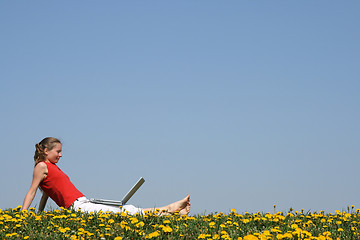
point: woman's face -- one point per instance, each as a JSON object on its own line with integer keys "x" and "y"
{"x": 54, "y": 154}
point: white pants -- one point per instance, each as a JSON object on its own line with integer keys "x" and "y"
{"x": 85, "y": 205}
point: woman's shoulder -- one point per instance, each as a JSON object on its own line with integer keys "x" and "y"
{"x": 41, "y": 166}
{"x": 40, "y": 171}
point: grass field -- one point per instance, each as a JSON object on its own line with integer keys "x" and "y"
{"x": 67, "y": 224}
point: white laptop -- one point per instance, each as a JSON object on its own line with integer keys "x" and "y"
{"x": 125, "y": 198}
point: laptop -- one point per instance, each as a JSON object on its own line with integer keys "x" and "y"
{"x": 125, "y": 198}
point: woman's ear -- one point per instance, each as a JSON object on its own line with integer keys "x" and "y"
{"x": 46, "y": 151}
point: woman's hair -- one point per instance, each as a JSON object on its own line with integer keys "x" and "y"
{"x": 48, "y": 143}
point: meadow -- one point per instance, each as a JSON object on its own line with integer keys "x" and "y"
{"x": 69, "y": 224}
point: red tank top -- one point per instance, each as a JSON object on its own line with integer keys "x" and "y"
{"x": 58, "y": 187}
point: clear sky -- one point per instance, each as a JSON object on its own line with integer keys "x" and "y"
{"x": 242, "y": 104}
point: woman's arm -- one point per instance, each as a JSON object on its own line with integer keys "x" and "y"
{"x": 40, "y": 172}
{"x": 43, "y": 201}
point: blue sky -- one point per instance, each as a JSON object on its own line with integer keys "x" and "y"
{"x": 242, "y": 104}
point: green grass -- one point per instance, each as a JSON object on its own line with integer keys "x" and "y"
{"x": 67, "y": 224}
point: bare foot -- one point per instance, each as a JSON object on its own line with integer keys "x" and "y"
{"x": 183, "y": 206}
{"x": 185, "y": 210}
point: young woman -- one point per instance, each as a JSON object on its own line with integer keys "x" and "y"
{"x": 56, "y": 184}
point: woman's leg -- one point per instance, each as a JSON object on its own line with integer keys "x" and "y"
{"x": 86, "y": 206}
{"x": 183, "y": 206}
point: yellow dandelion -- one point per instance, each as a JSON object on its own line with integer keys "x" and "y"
{"x": 202, "y": 236}
{"x": 216, "y": 236}
{"x": 153, "y": 234}
{"x": 62, "y": 230}
{"x": 140, "y": 224}
{"x": 250, "y": 237}
{"x": 134, "y": 220}
{"x": 167, "y": 229}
